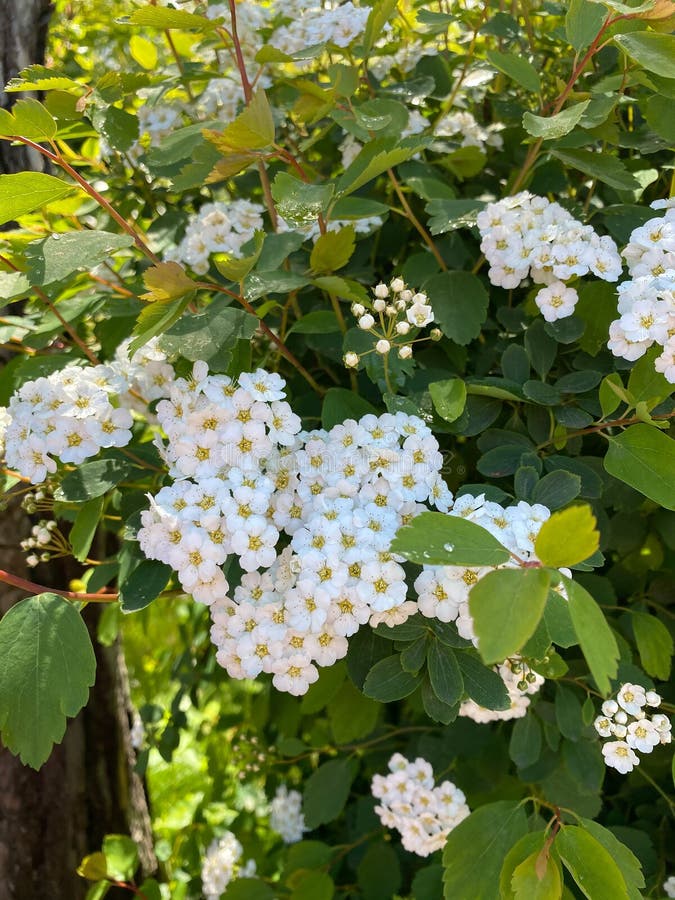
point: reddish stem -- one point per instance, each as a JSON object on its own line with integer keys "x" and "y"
{"x": 32, "y": 588}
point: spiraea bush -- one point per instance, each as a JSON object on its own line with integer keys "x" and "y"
{"x": 341, "y": 345}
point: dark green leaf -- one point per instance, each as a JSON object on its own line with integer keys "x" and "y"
{"x": 387, "y": 681}
{"x": 93, "y": 479}
{"x": 444, "y": 673}
{"x": 326, "y": 792}
{"x": 145, "y": 583}
{"x": 460, "y": 304}
{"x": 482, "y": 684}
{"x": 595, "y": 636}
{"x": 644, "y": 458}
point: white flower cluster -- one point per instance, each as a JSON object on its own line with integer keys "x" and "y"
{"x": 339, "y": 24}
{"x": 520, "y": 683}
{"x": 462, "y": 126}
{"x": 286, "y": 817}
{"x": 422, "y": 812}
{"x": 221, "y": 866}
{"x": 67, "y": 416}
{"x": 393, "y": 318}
{"x": 217, "y": 228}
{"x": 646, "y": 303}
{"x": 625, "y": 718}
{"x": 525, "y": 235}
{"x": 72, "y": 414}
{"x": 406, "y": 57}
{"x": 669, "y": 886}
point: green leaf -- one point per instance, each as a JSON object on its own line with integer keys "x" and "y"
{"x": 307, "y": 855}
{"x": 321, "y": 693}
{"x": 60, "y": 255}
{"x": 552, "y": 127}
{"x": 506, "y": 606}
{"x": 29, "y": 119}
{"x": 248, "y": 889}
{"x": 340, "y": 404}
{"x": 644, "y": 458}
{"x": 658, "y": 115}
{"x": 93, "y": 479}
{"x": 351, "y": 715}
{"x": 537, "y": 878}
{"x": 624, "y": 858}
{"x": 568, "y": 713}
{"x": 611, "y": 393}
{"x": 605, "y": 168}
{"x": 557, "y": 489}
{"x": 654, "y": 52}
{"x": 645, "y": 384}
{"x": 143, "y": 51}
{"x": 155, "y": 319}
{"x": 444, "y": 673}
{"x": 589, "y": 863}
{"x": 320, "y": 321}
{"x": 253, "y": 129}
{"x": 333, "y": 250}
{"x": 482, "y": 684}
{"x": 436, "y": 539}
{"x": 27, "y": 191}
{"x": 379, "y": 872}
{"x": 47, "y": 666}
{"x": 214, "y": 331}
{"x": 516, "y": 67}
{"x": 313, "y": 886}
{"x": 300, "y": 203}
{"x": 460, "y": 303}
{"x": 449, "y": 398}
{"x": 93, "y": 867}
{"x": 387, "y": 681}
{"x": 380, "y": 14}
{"x": 412, "y": 658}
{"x": 84, "y": 527}
{"x": 582, "y": 22}
{"x": 449, "y": 215}
{"x": 326, "y": 792}
{"x": 525, "y": 744}
{"x": 121, "y": 855}
{"x": 428, "y": 883}
{"x": 435, "y": 708}
{"x": 40, "y": 78}
{"x": 595, "y": 636}
{"x": 654, "y": 643}
{"x": 237, "y": 269}
{"x": 163, "y": 17}
{"x": 143, "y": 585}
{"x": 558, "y": 621}
{"x": 474, "y": 852}
{"x": 568, "y": 537}
{"x": 375, "y": 158}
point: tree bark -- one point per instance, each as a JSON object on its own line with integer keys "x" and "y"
{"x": 49, "y": 820}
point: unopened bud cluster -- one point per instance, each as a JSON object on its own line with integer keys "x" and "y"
{"x": 422, "y": 812}
{"x": 626, "y": 719}
{"x": 41, "y": 538}
{"x": 393, "y": 318}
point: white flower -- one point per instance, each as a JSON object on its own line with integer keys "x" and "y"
{"x": 669, "y": 886}
{"x": 631, "y": 698}
{"x": 643, "y": 736}
{"x": 556, "y": 301}
{"x": 618, "y": 755}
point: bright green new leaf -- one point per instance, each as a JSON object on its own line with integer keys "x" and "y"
{"x": 595, "y": 636}
{"x": 326, "y": 792}
{"x": 121, "y": 855}
{"x": 460, "y": 303}
{"x": 166, "y": 281}
{"x": 474, "y": 852}
{"x": 449, "y": 398}
{"x": 143, "y": 51}
{"x": 516, "y": 67}
{"x": 47, "y": 666}
{"x": 654, "y": 643}
{"x": 237, "y": 269}
{"x": 537, "y": 878}
{"x": 436, "y": 539}
{"x": 157, "y": 318}
{"x": 56, "y": 257}
{"x": 602, "y": 166}
{"x": 84, "y": 527}
{"x": 333, "y": 250}
{"x": 40, "y": 78}
{"x": 253, "y": 129}
{"x": 594, "y": 870}
{"x": 625, "y": 859}
{"x": 568, "y": 537}
{"x": 506, "y": 606}
{"x": 654, "y": 52}
{"x": 163, "y": 17}
{"x": 29, "y": 119}
{"x": 380, "y": 14}
{"x": 644, "y": 458}
{"x": 300, "y": 203}
{"x": 343, "y": 287}
{"x": 552, "y": 127}
{"x": 25, "y": 192}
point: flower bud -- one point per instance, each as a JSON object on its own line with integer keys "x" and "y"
{"x": 403, "y": 328}
{"x": 381, "y": 290}
{"x": 397, "y": 285}
{"x": 366, "y": 322}
{"x": 351, "y": 360}
{"x": 405, "y": 352}
{"x": 358, "y": 309}
{"x": 379, "y": 305}
{"x": 435, "y": 334}
{"x": 383, "y": 346}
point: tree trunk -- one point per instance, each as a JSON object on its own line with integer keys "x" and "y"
{"x": 52, "y": 818}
